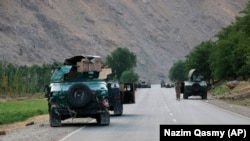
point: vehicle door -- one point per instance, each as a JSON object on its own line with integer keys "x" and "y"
{"x": 128, "y": 93}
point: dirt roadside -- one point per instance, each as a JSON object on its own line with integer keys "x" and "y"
{"x": 40, "y": 129}
{"x": 242, "y": 110}
{"x": 235, "y": 99}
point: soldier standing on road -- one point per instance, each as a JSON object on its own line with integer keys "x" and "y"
{"x": 178, "y": 89}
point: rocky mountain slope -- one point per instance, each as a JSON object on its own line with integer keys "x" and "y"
{"x": 159, "y": 32}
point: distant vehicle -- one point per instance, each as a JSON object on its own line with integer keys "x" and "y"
{"x": 144, "y": 84}
{"x": 163, "y": 84}
{"x": 195, "y": 85}
{"x": 166, "y": 85}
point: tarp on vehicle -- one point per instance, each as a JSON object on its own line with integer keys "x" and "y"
{"x": 59, "y": 73}
{"x": 194, "y": 75}
{"x": 82, "y": 58}
{"x": 85, "y": 63}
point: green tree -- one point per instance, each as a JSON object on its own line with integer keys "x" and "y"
{"x": 248, "y": 62}
{"x": 178, "y": 71}
{"x": 241, "y": 31}
{"x": 129, "y": 76}
{"x": 23, "y": 79}
{"x": 245, "y": 20}
{"x": 120, "y": 60}
{"x": 239, "y": 55}
{"x": 229, "y": 57}
{"x": 1, "y": 76}
{"x": 4, "y": 84}
{"x": 198, "y": 59}
{"x": 220, "y": 60}
{"x": 15, "y": 82}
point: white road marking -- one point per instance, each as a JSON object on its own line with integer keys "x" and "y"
{"x": 75, "y": 131}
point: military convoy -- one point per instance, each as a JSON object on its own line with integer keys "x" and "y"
{"x": 194, "y": 86}
{"x": 79, "y": 88}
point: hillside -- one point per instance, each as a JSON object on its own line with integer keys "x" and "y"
{"x": 159, "y": 32}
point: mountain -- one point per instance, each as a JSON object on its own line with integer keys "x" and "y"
{"x": 159, "y": 32}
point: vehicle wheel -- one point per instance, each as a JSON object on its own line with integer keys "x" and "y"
{"x": 54, "y": 118}
{"x": 204, "y": 95}
{"x": 196, "y": 87}
{"x": 185, "y": 95}
{"x": 118, "y": 110}
{"x": 103, "y": 118}
{"x": 79, "y": 95}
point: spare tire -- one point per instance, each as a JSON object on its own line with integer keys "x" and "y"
{"x": 196, "y": 87}
{"x": 79, "y": 95}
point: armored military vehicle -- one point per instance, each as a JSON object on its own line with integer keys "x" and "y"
{"x": 77, "y": 89}
{"x": 195, "y": 86}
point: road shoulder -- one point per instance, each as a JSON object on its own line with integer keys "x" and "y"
{"x": 242, "y": 110}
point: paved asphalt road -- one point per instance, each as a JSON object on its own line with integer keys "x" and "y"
{"x": 155, "y": 106}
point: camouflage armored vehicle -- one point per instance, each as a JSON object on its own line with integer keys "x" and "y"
{"x": 78, "y": 89}
{"x": 195, "y": 86}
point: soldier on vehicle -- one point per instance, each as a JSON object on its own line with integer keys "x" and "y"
{"x": 178, "y": 89}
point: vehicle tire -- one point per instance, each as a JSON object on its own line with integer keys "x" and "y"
{"x": 103, "y": 118}
{"x": 118, "y": 110}
{"x": 204, "y": 95}
{"x": 185, "y": 96}
{"x": 196, "y": 87}
{"x": 79, "y": 95}
{"x": 54, "y": 118}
